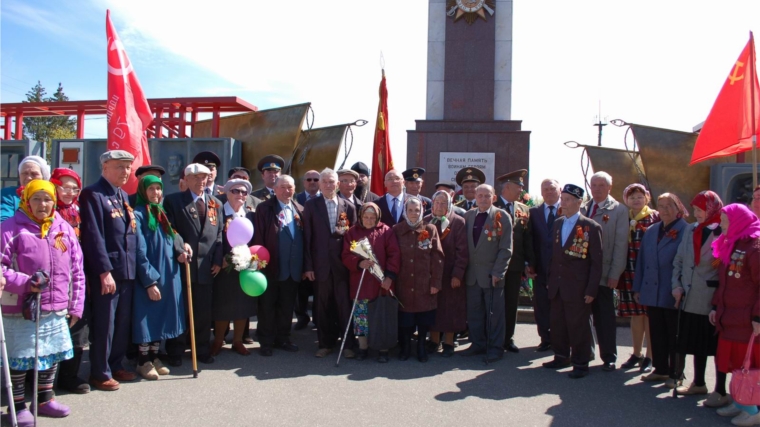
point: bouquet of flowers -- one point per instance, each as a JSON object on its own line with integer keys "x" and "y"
{"x": 363, "y": 249}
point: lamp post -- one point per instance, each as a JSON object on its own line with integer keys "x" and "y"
{"x": 600, "y": 123}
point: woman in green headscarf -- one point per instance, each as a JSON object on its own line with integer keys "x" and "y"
{"x": 158, "y": 312}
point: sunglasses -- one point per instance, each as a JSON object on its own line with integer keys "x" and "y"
{"x": 238, "y": 192}
{"x": 312, "y": 179}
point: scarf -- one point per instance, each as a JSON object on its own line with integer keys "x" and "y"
{"x": 742, "y": 224}
{"x": 30, "y": 190}
{"x": 156, "y": 212}
{"x": 444, "y": 220}
{"x": 371, "y": 207}
{"x": 636, "y": 218}
{"x": 412, "y": 199}
{"x": 69, "y": 212}
{"x": 709, "y": 202}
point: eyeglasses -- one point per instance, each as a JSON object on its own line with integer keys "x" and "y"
{"x": 238, "y": 192}
{"x": 66, "y": 190}
{"x": 312, "y": 179}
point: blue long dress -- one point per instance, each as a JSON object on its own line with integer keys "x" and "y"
{"x": 157, "y": 263}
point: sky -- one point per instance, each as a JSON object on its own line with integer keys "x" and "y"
{"x": 657, "y": 63}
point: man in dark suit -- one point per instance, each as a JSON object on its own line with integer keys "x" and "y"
{"x": 413, "y": 184}
{"x": 450, "y": 188}
{"x": 154, "y": 170}
{"x": 489, "y": 240}
{"x": 523, "y": 259}
{"x": 574, "y": 274}
{"x": 279, "y": 228}
{"x": 347, "y": 182}
{"x": 392, "y": 203}
{"x": 469, "y": 179}
{"x": 210, "y": 160}
{"x": 109, "y": 247}
{"x": 197, "y": 217}
{"x": 542, "y": 222}
{"x": 326, "y": 219}
{"x": 270, "y": 167}
{"x": 306, "y": 287}
{"x": 362, "y": 185}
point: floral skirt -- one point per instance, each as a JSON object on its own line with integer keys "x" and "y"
{"x": 54, "y": 342}
{"x": 361, "y": 324}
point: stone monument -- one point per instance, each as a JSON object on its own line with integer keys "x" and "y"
{"x": 469, "y": 90}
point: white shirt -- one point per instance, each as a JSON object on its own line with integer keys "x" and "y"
{"x": 286, "y": 216}
{"x": 399, "y": 204}
{"x": 568, "y": 225}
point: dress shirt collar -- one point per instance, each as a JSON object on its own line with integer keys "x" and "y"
{"x": 229, "y": 212}
{"x": 197, "y": 196}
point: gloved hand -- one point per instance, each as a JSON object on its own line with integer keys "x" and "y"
{"x": 40, "y": 279}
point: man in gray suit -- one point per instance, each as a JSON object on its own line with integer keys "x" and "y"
{"x": 613, "y": 217}
{"x": 489, "y": 239}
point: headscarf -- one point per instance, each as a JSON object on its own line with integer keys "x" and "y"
{"x": 369, "y": 206}
{"x": 412, "y": 199}
{"x": 742, "y": 224}
{"x": 33, "y": 187}
{"x": 709, "y": 202}
{"x": 69, "y": 212}
{"x": 156, "y": 212}
{"x": 682, "y": 211}
{"x": 444, "y": 220}
{"x": 44, "y": 167}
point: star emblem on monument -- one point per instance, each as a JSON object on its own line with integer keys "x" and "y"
{"x": 470, "y": 9}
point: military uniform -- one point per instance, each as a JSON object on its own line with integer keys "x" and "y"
{"x": 270, "y": 162}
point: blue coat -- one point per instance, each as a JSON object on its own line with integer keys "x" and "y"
{"x": 8, "y": 202}
{"x": 654, "y": 266}
{"x": 157, "y": 263}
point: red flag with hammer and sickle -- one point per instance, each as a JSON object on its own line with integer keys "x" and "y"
{"x": 734, "y": 117}
{"x": 127, "y": 111}
{"x": 382, "y": 161}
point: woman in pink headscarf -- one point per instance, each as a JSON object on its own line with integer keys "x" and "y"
{"x": 736, "y": 302}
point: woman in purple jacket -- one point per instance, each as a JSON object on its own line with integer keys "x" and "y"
{"x": 40, "y": 254}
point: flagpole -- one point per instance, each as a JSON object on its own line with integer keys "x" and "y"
{"x": 753, "y": 76}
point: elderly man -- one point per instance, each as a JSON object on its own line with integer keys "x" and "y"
{"x": 469, "y": 179}
{"x": 198, "y": 218}
{"x": 210, "y": 160}
{"x": 450, "y": 188}
{"x": 310, "y": 187}
{"x": 542, "y": 222}
{"x": 574, "y": 272}
{"x": 326, "y": 220}
{"x": 613, "y": 217}
{"x": 362, "y": 186}
{"x": 489, "y": 242}
{"x": 413, "y": 184}
{"x": 347, "y": 181}
{"x": 30, "y": 168}
{"x": 392, "y": 204}
{"x": 279, "y": 228}
{"x": 523, "y": 259}
{"x": 109, "y": 247}
{"x": 270, "y": 167}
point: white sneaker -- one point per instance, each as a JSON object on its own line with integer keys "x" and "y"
{"x": 728, "y": 411}
{"x": 745, "y": 419}
{"x": 715, "y": 400}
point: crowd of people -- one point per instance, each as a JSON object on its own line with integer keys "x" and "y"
{"x": 106, "y": 269}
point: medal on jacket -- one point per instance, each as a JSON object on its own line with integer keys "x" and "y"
{"x": 737, "y": 261}
{"x": 131, "y": 214}
{"x": 212, "y": 211}
{"x": 423, "y": 240}
{"x": 579, "y": 248}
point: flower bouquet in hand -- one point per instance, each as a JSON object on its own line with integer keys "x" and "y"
{"x": 363, "y": 249}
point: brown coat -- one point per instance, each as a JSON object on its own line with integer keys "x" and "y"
{"x": 421, "y": 269}
{"x": 737, "y": 301}
{"x": 451, "y": 315}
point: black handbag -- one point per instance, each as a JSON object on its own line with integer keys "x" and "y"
{"x": 382, "y": 320}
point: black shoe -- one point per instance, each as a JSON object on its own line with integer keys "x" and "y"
{"x": 448, "y": 351}
{"x": 632, "y": 362}
{"x": 302, "y": 324}
{"x": 382, "y": 357}
{"x": 433, "y": 347}
{"x": 422, "y": 351}
{"x": 544, "y": 346}
{"x": 405, "y": 352}
{"x": 288, "y": 346}
{"x": 646, "y": 365}
{"x": 577, "y": 373}
{"x": 265, "y": 351}
{"x": 608, "y": 367}
{"x": 174, "y": 361}
{"x": 493, "y": 358}
{"x": 511, "y": 347}
{"x": 472, "y": 351}
{"x": 207, "y": 359}
{"x": 74, "y": 385}
{"x": 557, "y": 364}
{"x": 67, "y": 374}
{"x": 362, "y": 354}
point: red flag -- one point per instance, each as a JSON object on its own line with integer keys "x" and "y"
{"x": 732, "y": 121}
{"x": 382, "y": 161}
{"x": 128, "y": 111}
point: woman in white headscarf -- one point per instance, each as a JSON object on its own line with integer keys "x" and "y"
{"x": 30, "y": 168}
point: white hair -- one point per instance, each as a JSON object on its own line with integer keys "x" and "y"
{"x": 287, "y": 178}
{"x": 328, "y": 172}
{"x": 485, "y": 187}
{"x": 552, "y": 180}
{"x": 603, "y": 175}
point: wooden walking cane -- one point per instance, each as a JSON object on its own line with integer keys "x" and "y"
{"x": 192, "y": 323}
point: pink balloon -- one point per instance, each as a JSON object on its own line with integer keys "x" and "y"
{"x": 261, "y": 251}
{"x": 239, "y": 232}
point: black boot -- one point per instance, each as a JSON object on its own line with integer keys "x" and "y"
{"x": 362, "y": 354}
{"x": 68, "y": 378}
{"x": 422, "y": 354}
{"x": 406, "y": 344}
{"x": 448, "y": 350}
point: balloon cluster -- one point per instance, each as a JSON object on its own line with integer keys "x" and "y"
{"x": 247, "y": 260}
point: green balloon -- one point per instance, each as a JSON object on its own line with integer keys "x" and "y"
{"x": 253, "y": 283}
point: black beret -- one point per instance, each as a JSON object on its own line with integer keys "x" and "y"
{"x": 238, "y": 169}
{"x": 206, "y": 158}
{"x": 447, "y": 184}
{"x": 573, "y": 190}
{"x": 145, "y": 168}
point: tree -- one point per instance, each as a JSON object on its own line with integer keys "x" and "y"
{"x": 46, "y": 129}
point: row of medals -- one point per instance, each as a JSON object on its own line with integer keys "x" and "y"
{"x": 737, "y": 260}
{"x": 579, "y": 247}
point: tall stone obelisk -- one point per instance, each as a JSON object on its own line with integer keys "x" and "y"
{"x": 469, "y": 93}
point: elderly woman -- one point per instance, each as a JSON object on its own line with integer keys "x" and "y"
{"x": 158, "y": 310}
{"x": 694, "y": 279}
{"x": 755, "y": 202}
{"x": 41, "y": 257}
{"x": 419, "y": 278}
{"x": 385, "y": 246}
{"x": 736, "y": 302}
{"x": 230, "y": 302}
{"x": 652, "y": 284}
{"x": 31, "y": 167}
{"x": 451, "y": 314}
{"x": 67, "y": 186}
{"x": 641, "y": 216}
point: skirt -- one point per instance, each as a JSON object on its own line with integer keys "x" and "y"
{"x": 696, "y": 335}
{"x": 54, "y": 342}
{"x": 627, "y": 306}
{"x": 410, "y": 320}
{"x": 361, "y": 324}
{"x": 730, "y": 355}
{"x": 229, "y": 300}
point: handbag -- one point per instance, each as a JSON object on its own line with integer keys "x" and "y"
{"x": 382, "y": 319}
{"x": 745, "y": 382}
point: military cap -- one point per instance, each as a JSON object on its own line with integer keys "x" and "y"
{"x": 361, "y": 168}
{"x": 470, "y": 174}
{"x": 348, "y": 172}
{"x": 196, "y": 169}
{"x": 447, "y": 184}
{"x": 413, "y": 174}
{"x": 116, "y": 155}
{"x": 147, "y": 168}
{"x": 206, "y": 158}
{"x": 271, "y": 161}
{"x": 516, "y": 177}
{"x": 238, "y": 169}
{"x": 573, "y": 190}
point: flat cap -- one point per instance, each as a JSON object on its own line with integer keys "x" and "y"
{"x": 271, "y": 161}
{"x": 147, "y": 168}
{"x": 360, "y": 167}
{"x": 238, "y": 169}
{"x": 196, "y": 169}
{"x": 573, "y": 190}
{"x": 516, "y": 177}
{"x": 447, "y": 184}
{"x": 348, "y": 172}
{"x": 116, "y": 155}
{"x": 470, "y": 174}
{"x": 207, "y": 158}
{"x": 413, "y": 174}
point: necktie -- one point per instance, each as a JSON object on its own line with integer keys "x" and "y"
{"x": 509, "y": 209}
{"x": 550, "y": 219}
{"x": 207, "y": 191}
{"x": 469, "y": 205}
{"x": 593, "y": 211}
{"x": 200, "y": 204}
{"x": 394, "y": 211}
